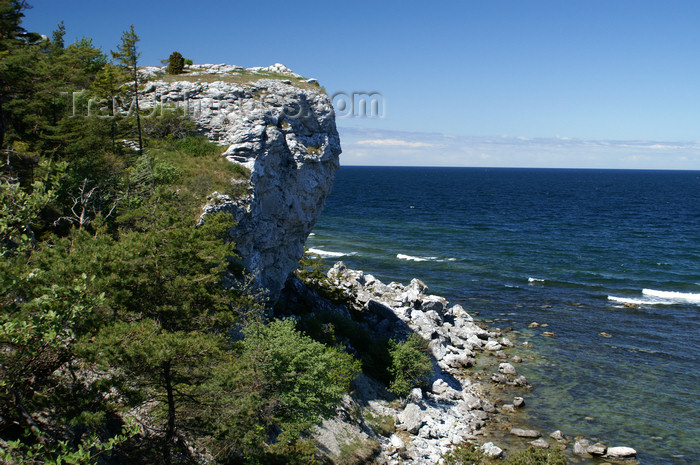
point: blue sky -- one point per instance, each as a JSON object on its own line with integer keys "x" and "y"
{"x": 557, "y": 83}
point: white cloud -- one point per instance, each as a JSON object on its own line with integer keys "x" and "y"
{"x": 402, "y": 148}
{"x": 394, "y": 143}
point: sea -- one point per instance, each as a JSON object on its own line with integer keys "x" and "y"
{"x": 607, "y": 260}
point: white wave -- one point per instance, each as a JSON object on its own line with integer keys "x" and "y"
{"x": 673, "y": 297}
{"x": 627, "y": 300}
{"x": 655, "y": 297}
{"x": 414, "y": 259}
{"x": 312, "y": 234}
{"x": 328, "y": 254}
{"x": 451, "y": 259}
{"x": 535, "y": 280}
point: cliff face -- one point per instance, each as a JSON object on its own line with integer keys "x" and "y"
{"x": 281, "y": 127}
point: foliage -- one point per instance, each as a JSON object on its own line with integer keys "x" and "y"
{"x": 19, "y": 212}
{"x": 176, "y": 63}
{"x": 310, "y": 271}
{"x": 382, "y": 425}
{"x": 532, "y": 456}
{"x": 168, "y": 122}
{"x": 331, "y": 328}
{"x": 127, "y": 54}
{"x": 357, "y": 451}
{"x": 465, "y": 454}
{"x": 111, "y": 282}
{"x": 469, "y": 454}
{"x": 284, "y": 383}
{"x": 87, "y": 452}
{"x": 410, "y": 364}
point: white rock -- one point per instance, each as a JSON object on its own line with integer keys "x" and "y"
{"x": 507, "y": 369}
{"x": 411, "y": 418}
{"x": 620, "y": 452}
{"x": 558, "y": 436}
{"x": 440, "y": 386}
{"x": 491, "y": 450}
{"x": 506, "y": 342}
{"x": 525, "y": 433}
{"x": 289, "y": 181}
{"x": 492, "y": 346}
{"x": 539, "y": 444}
{"x": 397, "y": 442}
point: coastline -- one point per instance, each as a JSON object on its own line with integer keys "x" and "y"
{"x": 475, "y": 394}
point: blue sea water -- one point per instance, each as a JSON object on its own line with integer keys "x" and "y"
{"x": 566, "y": 248}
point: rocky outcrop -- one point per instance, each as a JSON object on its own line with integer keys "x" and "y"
{"x": 284, "y": 131}
{"x": 453, "y": 407}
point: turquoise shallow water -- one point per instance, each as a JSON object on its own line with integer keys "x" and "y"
{"x": 583, "y": 251}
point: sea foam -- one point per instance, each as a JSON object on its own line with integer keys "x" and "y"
{"x": 655, "y": 297}
{"x": 328, "y": 254}
{"x": 673, "y": 297}
{"x": 414, "y": 259}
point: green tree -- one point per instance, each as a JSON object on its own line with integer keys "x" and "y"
{"x": 128, "y": 55}
{"x": 58, "y": 37}
{"x": 411, "y": 365}
{"x": 176, "y": 63}
{"x": 173, "y": 364}
{"x": 281, "y": 385}
{"x": 19, "y": 213}
{"x": 108, "y": 87}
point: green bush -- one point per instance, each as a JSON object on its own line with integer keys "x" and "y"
{"x": 534, "y": 456}
{"x": 167, "y": 122}
{"x": 382, "y": 425}
{"x": 176, "y": 63}
{"x": 411, "y": 365}
{"x": 357, "y": 452}
{"x": 464, "y": 454}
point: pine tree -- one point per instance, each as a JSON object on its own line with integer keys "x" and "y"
{"x": 176, "y": 63}
{"x": 127, "y": 55}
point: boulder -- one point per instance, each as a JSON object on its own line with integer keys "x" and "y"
{"x": 491, "y": 450}
{"x": 434, "y": 303}
{"x": 458, "y": 360}
{"x": 581, "y": 447}
{"x": 440, "y": 386}
{"x": 518, "y": 402}
{"x": 525, "y": 433}
{"x": 597, "y": 449}
{"x": 620, "y": 453}
{"x": 507, "y": 369}
{"x": 396, "y": 442}
{"x": 558, "y": 436}
{"x": 539, "y": 444}
{"x": 492, "y": 346}
{"x": 411, "y": 418}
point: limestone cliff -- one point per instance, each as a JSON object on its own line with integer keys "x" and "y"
{"x": 282, "y": 127}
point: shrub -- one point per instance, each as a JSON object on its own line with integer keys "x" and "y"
{"x": 168, "y": 122}
{"x": 176, "y": 63}
{"x": 382, "y": 425}
{"x": 534, "y": 456}
{"x": 357, "y": 452}
{"x": 196, "y": 145}
{"x": 410, "y": 364}
{"x": 464, "y": 454}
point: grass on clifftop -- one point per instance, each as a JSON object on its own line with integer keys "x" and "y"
{"x": 242, "y": 77}
{"x": 198, "y": 169}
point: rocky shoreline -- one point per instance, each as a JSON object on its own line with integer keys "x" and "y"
{"x": 458, "y": 406}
